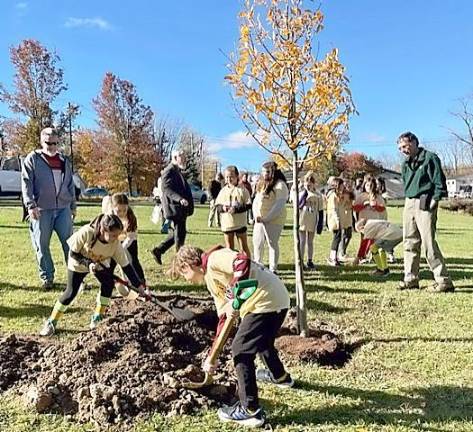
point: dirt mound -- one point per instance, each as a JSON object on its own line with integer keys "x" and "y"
{"x": 17, "y": 356}
{"x": 134, "y": 364}
{"x": 322, "y": 346}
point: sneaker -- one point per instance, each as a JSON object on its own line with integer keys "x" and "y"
{"x": 381, "y": 273}
{"x": 157, "y": 255}
{"x": 264, "y": 375}
{"x": 238, "y": 414}
{"x": 403, "y": 285}
{"x": 48, "y": 329}
{"x": 95, "y": 321}
{"x": 441, "y": 287}
{"x": 310, "y": 265}
{"x": 333, "y": 262}
{"x": 47, "y": 285}
{"x": 343, "y": 258}
{"x": 391, "y": 258}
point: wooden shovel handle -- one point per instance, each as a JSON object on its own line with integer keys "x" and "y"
{"x": 221, "y": 340}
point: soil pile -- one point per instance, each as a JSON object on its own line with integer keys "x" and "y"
{"x": 321, "y": 345}
{"x": 135, "y": 362}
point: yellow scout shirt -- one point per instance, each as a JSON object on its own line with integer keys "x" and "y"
{"x": 270, "y": 296}
{"x": 80, "y": 242}
{"x": 232, "y": 196}
{"x": 264, "y": 203}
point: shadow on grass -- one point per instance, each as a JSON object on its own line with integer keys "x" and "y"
{"x": 30, "y": 310}
{"x": 425, "y": 404}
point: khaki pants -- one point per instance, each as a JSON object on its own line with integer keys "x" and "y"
{"x": 419, "y": 227}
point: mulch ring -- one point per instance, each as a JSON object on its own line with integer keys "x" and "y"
{"x": 134, "y": 363}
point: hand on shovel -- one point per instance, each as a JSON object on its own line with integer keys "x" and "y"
{"x": 209, "y": 367}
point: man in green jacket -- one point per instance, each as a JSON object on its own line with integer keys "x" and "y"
{"x": 424, "y": 186}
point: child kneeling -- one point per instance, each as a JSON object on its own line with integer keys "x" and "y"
{"x": 261, "y": 318}
{"x": 385, "y": 236}
{"x": 90, "y": 249}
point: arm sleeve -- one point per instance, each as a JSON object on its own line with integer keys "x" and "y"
{"x": 320, "y": 222}
{"x": 303, "y": 199}
{"x": 81, "y": 259}
{"x": 438, "y": 179}
{"x": 130, "y": 238}
{"x": 27, "y": 181}
{"x": 167, "y": 184}
{"x": 132, "y": 275}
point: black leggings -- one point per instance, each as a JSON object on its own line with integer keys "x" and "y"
{"x": 74, "y": 279}
{"x": 256, "y": 335}
{"x": 135, "y": 262}
{"x": 337, "y": 238}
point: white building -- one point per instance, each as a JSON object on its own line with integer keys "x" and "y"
{"x": 460, "y": 186}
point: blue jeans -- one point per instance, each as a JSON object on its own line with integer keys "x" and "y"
{"x": 41, "y": 230}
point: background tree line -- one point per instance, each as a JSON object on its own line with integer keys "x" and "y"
{"x": 127, "y": 149}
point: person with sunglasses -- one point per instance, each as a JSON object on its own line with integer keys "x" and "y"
{"x": 49, "y": 195}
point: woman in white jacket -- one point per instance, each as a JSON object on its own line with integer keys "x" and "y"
{"x": 269, "y": 210}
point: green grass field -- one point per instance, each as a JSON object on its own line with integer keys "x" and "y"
{"x": 412, "y": 371}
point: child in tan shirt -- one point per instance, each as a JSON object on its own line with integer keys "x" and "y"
{"x": 233, "y": 201}
{"x": 261, "y": 317}
{"x": 91, "y": 250}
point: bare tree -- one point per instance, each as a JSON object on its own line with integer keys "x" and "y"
{"x": 465, "y": 115}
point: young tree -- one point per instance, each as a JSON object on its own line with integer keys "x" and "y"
{"x": 126, "y": 125}
{"x": 37, "y": 82}
{"x": 295, "y": 105}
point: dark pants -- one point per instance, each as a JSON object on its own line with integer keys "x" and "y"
{"x": 74, "y": 279}
{"x": 346, "y": 237}
{"x": 336, "y": 239}
{"x": 256, "y": 335}
{"x": 135, "y": 262}
{"x": 176, "y": 236}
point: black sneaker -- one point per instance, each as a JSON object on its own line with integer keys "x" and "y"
{"x": 157, "y": 255}
{"x": 403, "y": 285}
{"x": 380, "y": 273}
{"x": 47, "y": 285}
{"x": 238, "y": 414}
{"x": 441, "y": 288}
{"x": 310, "y": 265}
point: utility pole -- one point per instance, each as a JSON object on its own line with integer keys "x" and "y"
{"x": 201, "y": 149}
{"x": 72, "y": 111}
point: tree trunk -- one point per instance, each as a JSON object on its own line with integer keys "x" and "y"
{"x": 300, "y": 290}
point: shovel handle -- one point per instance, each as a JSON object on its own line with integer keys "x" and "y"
{"x": 221, "y": 340}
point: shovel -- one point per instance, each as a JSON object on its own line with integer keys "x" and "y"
{"x": 178, "y": 313}
{"x": 241, "y": 292}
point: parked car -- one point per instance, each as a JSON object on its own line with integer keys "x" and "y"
{"x": 10, "y": 176}
{"x": 94, "y": 192}
{"x": 198, "y": 194}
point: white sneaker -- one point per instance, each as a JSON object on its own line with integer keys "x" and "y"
{"x": 264, "y": 375}
{"x": 48, "y": 329}
{"x": 95, "y": 321}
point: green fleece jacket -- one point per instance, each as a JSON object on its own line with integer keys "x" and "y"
{"x": 423, "y": 174}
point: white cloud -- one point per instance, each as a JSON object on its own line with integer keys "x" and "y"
{"x": 22, "y": 5}
{"x": 97, "y": 22}
{"x": 375, "y": 138}
{"x": 234, "y": 140}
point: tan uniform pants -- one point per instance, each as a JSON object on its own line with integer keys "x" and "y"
{"x": 419, "y": 227}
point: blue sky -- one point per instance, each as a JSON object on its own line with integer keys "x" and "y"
{"x": 408, "y": 61}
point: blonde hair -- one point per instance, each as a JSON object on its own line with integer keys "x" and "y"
{"x": 186, "y": 255}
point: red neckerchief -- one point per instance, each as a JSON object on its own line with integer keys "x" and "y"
{"x": 206, "y": 255}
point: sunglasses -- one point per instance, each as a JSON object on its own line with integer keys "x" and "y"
{"x": 50, "y": 143}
